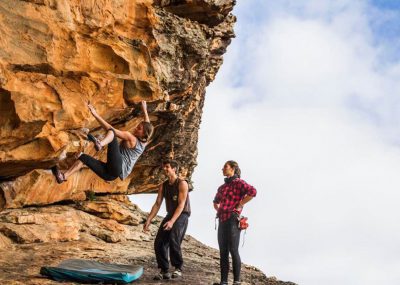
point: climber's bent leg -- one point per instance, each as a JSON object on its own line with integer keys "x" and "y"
{"x": 97, "y": 166}
{"x": 114, "y": 157}
{"x": 74, "y": 168}
{"x": 108, "y": 138}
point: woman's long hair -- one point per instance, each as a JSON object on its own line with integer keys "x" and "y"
{"x": 235, "y": 166}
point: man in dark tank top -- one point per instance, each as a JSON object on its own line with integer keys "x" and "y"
{"x": 172, "y": 230}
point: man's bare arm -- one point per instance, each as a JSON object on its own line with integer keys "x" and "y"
{"x": 154, "y": 209}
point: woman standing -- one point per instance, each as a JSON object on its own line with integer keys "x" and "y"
{"x": 229, "y": 202}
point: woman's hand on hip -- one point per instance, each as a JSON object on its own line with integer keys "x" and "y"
{"x": 239, "y": 206}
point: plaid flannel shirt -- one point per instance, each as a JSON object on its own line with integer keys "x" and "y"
{"x": 229, "y": 196}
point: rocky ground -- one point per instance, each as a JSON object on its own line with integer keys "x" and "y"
{"x": 22, "y": 264}
{"x": 34, "y": 237}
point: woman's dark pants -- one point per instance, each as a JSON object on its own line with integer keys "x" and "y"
{"x": 228, "y": 240}
{"x": 112, "y": 168}
{"x": 170, "y": 242}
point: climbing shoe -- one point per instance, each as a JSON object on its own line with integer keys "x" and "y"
{"x": 96, "y": 142}
{"x": 60, "y": 178}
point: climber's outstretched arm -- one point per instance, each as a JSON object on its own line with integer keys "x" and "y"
{"x": 125, "y": 135}
{"x": 144, "y": 109}
{"x": 102, "y": 122}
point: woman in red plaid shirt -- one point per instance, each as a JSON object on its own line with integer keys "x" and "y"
{"x": 229, "y": 202}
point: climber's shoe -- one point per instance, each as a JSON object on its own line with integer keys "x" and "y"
{"x": 96, "y": 142}
{"x": 58, "y": 174}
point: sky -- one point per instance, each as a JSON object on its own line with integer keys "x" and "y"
{"x": 307, "y": 103}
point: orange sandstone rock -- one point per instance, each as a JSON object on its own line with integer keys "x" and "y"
{"x": 56, "y": 56}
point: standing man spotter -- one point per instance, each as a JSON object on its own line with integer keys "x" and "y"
{"x": 173, "y": 228}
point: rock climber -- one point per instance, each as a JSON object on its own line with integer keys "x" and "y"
{"x": 121, "y": 157}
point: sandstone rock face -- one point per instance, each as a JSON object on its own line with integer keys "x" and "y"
{"x": 55, "y": 56}
{"x": 114, "y": 207}
{"x": 66, "y": 223}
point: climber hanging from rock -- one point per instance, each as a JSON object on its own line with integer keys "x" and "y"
{"x": 121, "y": 157}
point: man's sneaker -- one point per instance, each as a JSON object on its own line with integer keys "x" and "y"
{"x": 221, "y": 283}
{"x": 163, "y": 275}
{"x": 237, "y": 283}
{"x": 177, "y": 273}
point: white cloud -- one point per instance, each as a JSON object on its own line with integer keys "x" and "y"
{"x": 327, "y": 190}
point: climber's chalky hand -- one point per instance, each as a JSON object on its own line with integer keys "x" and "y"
{"x": 92, "y": 109}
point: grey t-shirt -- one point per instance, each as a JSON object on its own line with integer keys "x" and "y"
{"x": 129, "y": 158}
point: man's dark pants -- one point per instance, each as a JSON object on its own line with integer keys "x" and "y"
{"x": 170, "y": 241}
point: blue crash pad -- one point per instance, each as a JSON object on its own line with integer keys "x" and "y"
{"x": 88, "y": 271}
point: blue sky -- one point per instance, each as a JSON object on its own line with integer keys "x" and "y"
{"x": 307, "y": 101}
{"x": 386, "y": 4}
{"x": 385, "y": 25}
